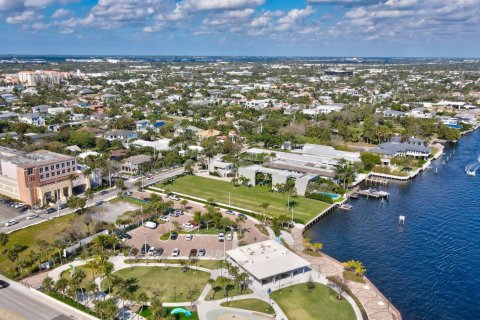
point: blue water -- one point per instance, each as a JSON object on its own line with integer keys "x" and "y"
{"x": 430, "y": 267}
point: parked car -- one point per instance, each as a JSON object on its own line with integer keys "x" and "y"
{"x": 152, "y": 251}
{"x": 221, "y": 236}
{"x": 63, "y": 206}
{"x": 150, "y": 224}
{"x": 32, "y": 216}
{"x": 174, "y": 197}
{"x": 242, "y": 216}
{"x": 229, "y": 237}
{"x": 188, "y": 225}
{"x": 23, "y": 209}
{"x": 202, "y": 252}
{"x": 145, "y": 248}
{"x": 189, "y": 237}
{"x": 164, "y": 218}
{"x": 50, "y": 210}
{"x": 230, "y": 212}
{"x": 173, "y": 214}
{"x": 193, "y": 253}
{"x": 99, "y": 203}
{"x": 124, "y": 236}
{"x": 175, "y": 252}
{"x": 103, "y": 192}
{"x": 178, "y": 212}
{"x": 10, "y": 223}
{"x": 173, "y": 236}
{"x": 3, "y": 284}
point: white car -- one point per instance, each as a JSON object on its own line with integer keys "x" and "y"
{"x": 221, "y": 236}
{"x": 152, "y": 251}
{"x": 174, "y": 197}
{"x": 188, "y": 225}
{"x": 178, "y": 212}
{"x": 32, "y": 216}
{"x": 175, "y": 252}
{"x": 164, "y": 219}
{"x": 229, "y": 237}
{"x": 10, "y": 223}
{"x": 230, "y": 212}
{"x": 188, "y": 237}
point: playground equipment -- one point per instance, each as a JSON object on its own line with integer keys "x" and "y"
{"x": 181, "y": 310}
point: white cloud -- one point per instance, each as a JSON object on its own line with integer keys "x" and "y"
{"x": 61, "y": 13}
{"x": 24, "y": 17}
{"x": 199, "y": 5}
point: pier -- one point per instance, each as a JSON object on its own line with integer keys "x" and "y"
{"x": 376, "y": 180}
{"x": 373, "y": 193}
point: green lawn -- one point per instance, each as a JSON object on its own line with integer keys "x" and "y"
{"x": 247, "y": 198}
{"x": 299, "y": 304}
{"x": 165, "y": 284}
{"x": 250, "y": 304}
{"x": 28, "y": 237}
{"x": 88, "y": 275}
{"x": 218, "y": 290}
{"x": 209, "y": 264}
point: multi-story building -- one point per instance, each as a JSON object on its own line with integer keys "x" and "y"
{"x": 33, "y": 78}
{"x": 37, "y": 177}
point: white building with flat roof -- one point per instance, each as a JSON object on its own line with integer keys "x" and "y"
{"x": 268, "y": 261}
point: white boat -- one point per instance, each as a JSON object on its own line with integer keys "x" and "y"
{"x": 471, "y": 173}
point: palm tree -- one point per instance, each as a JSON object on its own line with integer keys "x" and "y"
{"x": 48, "y": 283}
{"x": 242, "y": 278}
{"x": 211, "y": 282}
{"x": 61, "y": 285}
{"x": 89, "y": 194}
{"x": 58, "y": 245}
{"x": 143, "y": 298}
{"x": 184, "y": 203}
{"x": 101, "y": 242}
{"x": 156, "y": 307}
{"x": 91, "y": 288}
{"x": 108, "y": 309}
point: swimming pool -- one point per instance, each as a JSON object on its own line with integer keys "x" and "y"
{"x": 334, "y": 196}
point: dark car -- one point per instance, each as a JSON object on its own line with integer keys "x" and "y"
{"x": 63, "y": 206}
{"x": 193, "y": 253}
{"x": 104, "y": 192}
{"x": 145, "y": 248}
{"x": 202, "y": 252}
{"x": 50, "y": 210}
{"x": 242, "y": 216}
{"x": 173, "y": 236}
{"x": 124, "y": 236}
{"x": 23, "y": 209}
{"x": 3, "y": 284}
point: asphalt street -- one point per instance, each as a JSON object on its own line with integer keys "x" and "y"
{"x": 21, "y": 303}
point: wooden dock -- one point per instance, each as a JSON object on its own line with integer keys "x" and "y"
{"x": 371, "y": 193}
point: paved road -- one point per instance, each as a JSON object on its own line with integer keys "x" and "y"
{"x": 108, "y": 194}
{"x": 20, "y": 303}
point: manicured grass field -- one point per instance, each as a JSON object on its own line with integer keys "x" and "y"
{"x": 247, "y": 198}
{"x": 165, "y": 284}
{"x": 88, "y": 275}
{"x": 28, "y": 237}
{"x": 218, "y": 290}
{"x": 209, "y": 264}
{"x": 299, "y": 304}
{"x": 250, "y": 304}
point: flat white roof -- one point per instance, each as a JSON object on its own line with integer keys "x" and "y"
{"x": 266, "y": 259}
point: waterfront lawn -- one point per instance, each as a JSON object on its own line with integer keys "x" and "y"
{"x": 29, "y": 237}
{"x": 250, "y": 304}
{"x": 299, "y": 304}
{"x": 351, "y": 276}
{"x": 168, "y": 285}
{"x": 244, "y": 197}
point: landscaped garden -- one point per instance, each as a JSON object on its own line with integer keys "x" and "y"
{"x": 166, "y": 284}
{"x": 246, "y": 197}
{"x": 299, "y": 303}
{"x": 224, "y": 287}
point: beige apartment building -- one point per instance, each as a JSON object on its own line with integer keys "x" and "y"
{"x": 38, "y": 177}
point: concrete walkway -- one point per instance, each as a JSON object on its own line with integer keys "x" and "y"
{"x": 375, "y": 304}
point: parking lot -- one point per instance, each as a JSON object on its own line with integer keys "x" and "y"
{"x": 7, "y": 213}
{"x": 214, "y": 248}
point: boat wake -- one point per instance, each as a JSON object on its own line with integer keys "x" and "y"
{"x": 471, "y": 168}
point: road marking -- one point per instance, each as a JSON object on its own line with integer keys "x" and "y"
{"x": 7, "y": 315}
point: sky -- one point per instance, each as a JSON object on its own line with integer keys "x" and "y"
{"x": 369, "y": 28}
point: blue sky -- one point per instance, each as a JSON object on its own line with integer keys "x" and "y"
{"x": 242, "y": 27}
